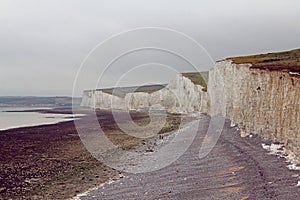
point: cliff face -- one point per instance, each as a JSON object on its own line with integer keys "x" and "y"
{"x": 179, "y": 96}
{"x": 262, "y": 102}
{"x": 99, "y": 99}
{"x": 258, "y": 100}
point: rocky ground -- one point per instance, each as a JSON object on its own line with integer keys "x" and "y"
{"x": 50, "y": 161}
{"x": 236, "y": 168}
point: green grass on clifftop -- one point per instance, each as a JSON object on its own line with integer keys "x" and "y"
{"x": 198, "y": 78}
{"x": 122, "y": 91}
{"x": 283, "y": 61}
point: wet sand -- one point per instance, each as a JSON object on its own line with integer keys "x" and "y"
{"x": 50, "y": 162}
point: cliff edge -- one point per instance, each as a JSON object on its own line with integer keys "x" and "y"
{"x": 261, "y": 94}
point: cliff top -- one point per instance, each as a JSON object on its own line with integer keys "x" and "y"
{"x": 122, "y": 91}
{"x": 198, "y": 78}
{"x": 282, "y": 61}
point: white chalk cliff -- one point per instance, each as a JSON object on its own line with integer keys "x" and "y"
{"x": 259, "y": 101}
{"x": 263, "y": 102}
{"x": 179, "y": 96}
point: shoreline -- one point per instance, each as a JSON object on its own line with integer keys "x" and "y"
{"x": 50, "y": 161}
{"x": 47, "y": 113}
{"x": 266, "y": 147}
{"x": 140, "y": 149}
{"x": 237, "y": 168}
{"x": 37, "y": 125}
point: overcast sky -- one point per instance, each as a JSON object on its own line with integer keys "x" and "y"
{"x": 42, "y": 43}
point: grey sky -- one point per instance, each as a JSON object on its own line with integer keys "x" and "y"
{"x": 44, "y": 42}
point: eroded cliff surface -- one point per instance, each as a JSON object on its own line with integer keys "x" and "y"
{"x": 261, "y": 101}
{"x": 257, "y": 97}
{"x": 181, "y": 95}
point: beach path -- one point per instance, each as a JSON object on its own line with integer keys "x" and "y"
{"x": 236, "y": 168}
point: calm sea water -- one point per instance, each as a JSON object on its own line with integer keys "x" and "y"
{"x": 10, "y": 120}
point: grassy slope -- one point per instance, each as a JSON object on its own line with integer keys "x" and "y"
{"x": 284, "y": 61}
{"x": 122, "y": 91}
{"x": 198, "y": 78}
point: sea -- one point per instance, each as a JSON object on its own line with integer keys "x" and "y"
{"x": 9, "y": 120}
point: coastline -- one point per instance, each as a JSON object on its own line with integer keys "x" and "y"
{"x": 66, "y": 119}
{"x": 50, "y": 161}
{"x": 46, "y": 116}
{"x": 141, "y": 149}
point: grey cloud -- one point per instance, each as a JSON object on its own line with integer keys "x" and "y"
{"x": 44, "y": 42}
